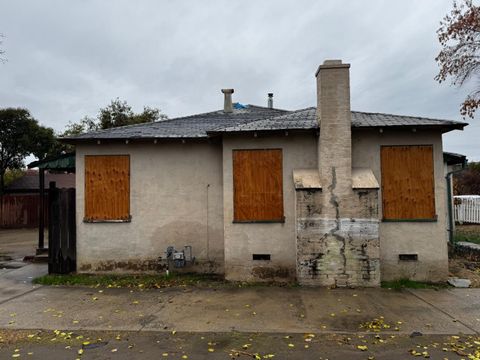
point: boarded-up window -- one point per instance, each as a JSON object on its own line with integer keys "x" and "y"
{"x": 107, "y": 187}
{"x": 408, "y": 182}
{"x": 258, "y": 185}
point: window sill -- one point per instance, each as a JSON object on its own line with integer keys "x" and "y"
{"x": 277, "y": 221}
{"x": 108, "y": 221}
{"x": 410, "y": 220}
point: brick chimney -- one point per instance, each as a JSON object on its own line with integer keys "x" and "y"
{"x": 338, "y": 243}
{"x": 334, "y": 118}
{"x": 227, "y": 103}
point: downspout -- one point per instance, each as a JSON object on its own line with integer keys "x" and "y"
{"x": 208, "y": 235}
{"x": 448, "y": 178}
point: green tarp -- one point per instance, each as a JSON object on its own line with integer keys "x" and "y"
{"x": 61, "y": 162}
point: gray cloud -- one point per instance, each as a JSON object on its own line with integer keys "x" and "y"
{"x": 68, "y": 59}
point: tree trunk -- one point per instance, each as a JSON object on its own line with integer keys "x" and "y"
{"x": 2, "y": 182}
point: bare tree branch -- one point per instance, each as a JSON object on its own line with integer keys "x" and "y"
{"x": 459, "y": 59}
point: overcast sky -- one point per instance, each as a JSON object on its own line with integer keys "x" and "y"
{"x": 66, "y": 59}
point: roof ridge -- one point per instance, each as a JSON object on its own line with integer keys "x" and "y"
{"x": 267, "y": 108}
{"x": 299, "y": 110}
{"x": 259, "y": 119}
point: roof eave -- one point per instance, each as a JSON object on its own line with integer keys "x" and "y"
{"x": 75, "y": 141}
{"x": 219, "y": 132}
{"x": 454, "y": 158}
{"x": 442, "y": 127}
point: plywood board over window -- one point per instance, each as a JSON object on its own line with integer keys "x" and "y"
{"x": 408, "y": 185}
{"x": 107, "y": 188}
{"x": 258, "y": 185}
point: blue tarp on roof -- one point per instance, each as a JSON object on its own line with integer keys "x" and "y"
{"x": 239, "y": 106}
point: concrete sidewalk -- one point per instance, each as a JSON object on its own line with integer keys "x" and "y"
{"x": 18, "y": 281}
{"x": 256, "y": 309}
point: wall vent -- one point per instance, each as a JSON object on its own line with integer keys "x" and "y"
{"x": 261, "y": 256}
{"x": 408, "y": 257}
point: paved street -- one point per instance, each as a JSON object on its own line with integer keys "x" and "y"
{"x": 183, "y": 321}
{"x": 232, "y": 345}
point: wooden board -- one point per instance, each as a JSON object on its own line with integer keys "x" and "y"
{"x": 408, "y": 186}
{"x": 258, "y": 185}
{"x": 107, "y": 187}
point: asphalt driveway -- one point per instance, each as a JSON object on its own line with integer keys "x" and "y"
{"x": 15, "y": 244}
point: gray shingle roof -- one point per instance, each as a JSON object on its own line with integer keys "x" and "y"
{"x": 194, "y": 126}
{"x": 254, "y": 118}
{"x": 307, "y": 119}
{"x": 301, "y": 119}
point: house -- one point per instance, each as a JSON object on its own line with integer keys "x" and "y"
{"x": 323, "y": 195}
{"x": 30, "y": 183}
{"x": 21, "y": 200}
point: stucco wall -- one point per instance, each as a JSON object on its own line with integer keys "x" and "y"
{"x": 426, "y": 239}
{"x": 169, "y": 186}
{"x": 277, "y": 239}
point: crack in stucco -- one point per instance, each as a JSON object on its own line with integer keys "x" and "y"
{"x": 334, "y": 201}
{"x": 334, "y": 250}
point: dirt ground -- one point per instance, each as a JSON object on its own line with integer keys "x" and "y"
{"x": 461, "y": 267}
{"x": 465, "y": 269}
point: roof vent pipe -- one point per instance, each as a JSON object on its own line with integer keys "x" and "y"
{"x": 227, "y": 104}
{"x": 270, "y": 100}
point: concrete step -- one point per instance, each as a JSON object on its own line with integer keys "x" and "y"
{"x": 41, "y": 258}
{"x": 42, "y": 251}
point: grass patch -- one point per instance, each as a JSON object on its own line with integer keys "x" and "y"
{"x": 151, "y": 281}
{"x": 410, "y": 284}
{"x": 469, "y": 233}
{"x": 473, "y": 238}
{"x": 130, "y": 281}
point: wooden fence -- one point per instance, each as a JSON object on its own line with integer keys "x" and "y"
{"x": 21, "y": 210}
{"x": 61, "y": 231}
{"x": 466, "y": 209}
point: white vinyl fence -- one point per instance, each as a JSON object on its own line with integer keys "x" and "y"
{"x": 466, "y": 209}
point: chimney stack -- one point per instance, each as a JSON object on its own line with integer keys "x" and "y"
{"x": 334, "y": 117}
{"x": 270, "y": 100}
{"x": 227, "y": 104}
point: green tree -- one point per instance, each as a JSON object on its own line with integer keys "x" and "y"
{"x": 117, "y": 113}
{"x": 12, "y": 175}
{"x": 20, "y": 136}
{"x": 86, "y": 124}
{"x": 459, "y": 58}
